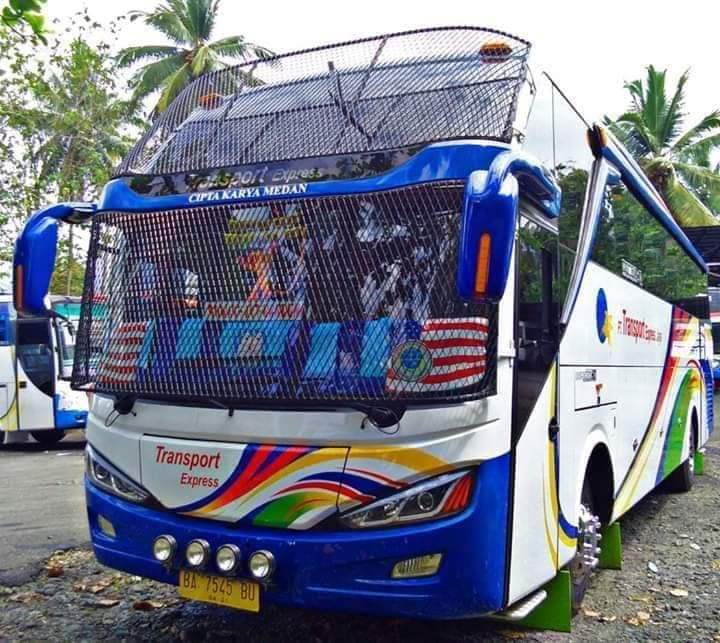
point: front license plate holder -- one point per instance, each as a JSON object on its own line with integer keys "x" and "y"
{"x": 230, "y": 592}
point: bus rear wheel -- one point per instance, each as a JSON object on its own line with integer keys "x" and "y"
{"x": 586, "y": 560}
{"x": 48, "y": 437}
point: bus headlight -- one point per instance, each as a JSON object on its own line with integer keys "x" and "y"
{"x": 439, "y": 497}
{"x": 104, "y": 475}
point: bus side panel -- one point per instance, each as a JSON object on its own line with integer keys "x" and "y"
{"x": 535, "y": 504}
{"x": 680, "y": 398}
{"x": 622, "y": 375}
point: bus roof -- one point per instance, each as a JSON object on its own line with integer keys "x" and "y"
{"x": 386, "y": 92}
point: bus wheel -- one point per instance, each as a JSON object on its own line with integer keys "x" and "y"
{"x": 588, "y": 548}
{"x": 48, "y": 437}
{"x": 681, "y": 480}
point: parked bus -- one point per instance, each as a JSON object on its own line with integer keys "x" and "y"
{"x": 380, "y": 327}
{"x": 714, "y": 295}
{"x": 36, "y": 354}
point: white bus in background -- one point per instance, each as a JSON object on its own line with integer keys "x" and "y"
{"x": 36, "y": 356}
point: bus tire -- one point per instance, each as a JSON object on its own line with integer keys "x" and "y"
{"x": 681, "y": 480}
{"x": 585, "y": 561}
{"x": 48, "y": 437}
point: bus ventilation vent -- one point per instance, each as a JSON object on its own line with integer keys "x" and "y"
{"x": 303, "y": 301}
{"x": 375, "y": 94}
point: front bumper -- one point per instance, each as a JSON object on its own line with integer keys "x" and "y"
{"x": 339, "y": 570}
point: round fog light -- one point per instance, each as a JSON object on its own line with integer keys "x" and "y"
{"x": 261, "y": 564}
{"x": 163, "y": 548}
{"x": 197, "y": 552}
{"x": 227, "y": 558}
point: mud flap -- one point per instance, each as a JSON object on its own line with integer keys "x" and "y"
{"x": 700, "y": 462}
{"x": 611, "y": 547}
{"x": 555, "y": 612}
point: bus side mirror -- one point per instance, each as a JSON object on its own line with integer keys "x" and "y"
{"x": 35, "y": 250}
{"x": 486, "y": 238}
{"x": 489, "y": 221}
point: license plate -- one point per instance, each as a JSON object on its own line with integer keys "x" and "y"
{"x": 230, "y": 592}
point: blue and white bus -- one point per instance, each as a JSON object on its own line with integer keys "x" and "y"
{"x": 381, "y": 327}
{"x": 36, "y": 354}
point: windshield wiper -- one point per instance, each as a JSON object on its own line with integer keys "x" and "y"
{"x": 341, "y": 103}
{"x": 381, "y": 417}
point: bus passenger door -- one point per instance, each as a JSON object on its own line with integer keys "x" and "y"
{"x": 36, "y": 374}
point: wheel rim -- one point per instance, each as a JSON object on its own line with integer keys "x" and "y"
{"x": 588, "y": 546}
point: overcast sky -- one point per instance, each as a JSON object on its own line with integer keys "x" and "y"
{"x": 589, "y": 48}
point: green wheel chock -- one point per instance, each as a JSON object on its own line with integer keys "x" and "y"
{"x": 555, "y": 612}
{"x": 611, "y": 547}
{"x": 700, "y": 462}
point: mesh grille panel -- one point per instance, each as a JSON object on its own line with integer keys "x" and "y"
{"x": 313, "y": 299}
{"x": 374, "y": 94}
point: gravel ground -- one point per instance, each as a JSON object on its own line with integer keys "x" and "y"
{"x": 668, "y": 590}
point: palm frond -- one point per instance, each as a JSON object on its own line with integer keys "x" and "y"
{"x": 701, "y": 151}
{"x": 674, "y": 115}
{"x": 201, "y": 61}
{"x": 655, "y": 101}
{"x": 707, "y": 125}
{"x": 637, "y": 95}
{"x": 201, "y": 15}
{"x": 131, "y": 55}
{"x": 701, "y": 178}
{"x": 166, "y": 21}
{"x": 238, "y": 47}
{"x": 154, "y": 75}
{"x": 181, "y": 10}
{"x": 687, "y": 209}
{"x": 174, "y": 85}
{"x": 641, "y": 132}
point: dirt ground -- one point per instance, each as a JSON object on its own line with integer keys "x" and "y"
{"x": 668, "y": 590}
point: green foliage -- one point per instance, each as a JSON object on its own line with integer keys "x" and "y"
{"x": 18, "y": 14}
{"x": 65, "y": 125}
{"x": 677, "y": 161}
{"x": 627, "y": 231}
{"x": 188, "y": 24}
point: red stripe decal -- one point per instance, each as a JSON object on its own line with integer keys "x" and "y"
{"x": 455, "y": 375}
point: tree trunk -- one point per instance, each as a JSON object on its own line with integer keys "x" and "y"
{"x": 69, "y": 260}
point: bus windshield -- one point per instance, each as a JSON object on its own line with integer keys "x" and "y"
{"x": 348, "y": 298}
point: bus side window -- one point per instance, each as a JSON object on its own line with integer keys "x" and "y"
{"x": 557, "y": 136}
{"x": 634, "y": 245}
{"x": 537, "y": 312}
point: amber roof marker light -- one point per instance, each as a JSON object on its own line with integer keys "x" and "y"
{"x": 495, "y": 52}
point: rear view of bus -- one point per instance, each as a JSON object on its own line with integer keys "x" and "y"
{"x": 324, "y": 305}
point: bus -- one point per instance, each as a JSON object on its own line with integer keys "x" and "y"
{"x": 382, "y": 327}
{"x": 714, "y": 296}
{"x": 36, "y": 355}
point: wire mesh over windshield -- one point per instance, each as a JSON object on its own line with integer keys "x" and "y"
{"x": 313, "y": 299}
{"x": 375, "y": 94}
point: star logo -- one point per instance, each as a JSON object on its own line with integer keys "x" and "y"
{"x": 603, "y": 318}
{"x": 608, "y": 327}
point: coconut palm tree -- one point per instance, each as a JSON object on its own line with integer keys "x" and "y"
{"x": 678, "y": 162}
{"x": 189, "y": 25}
